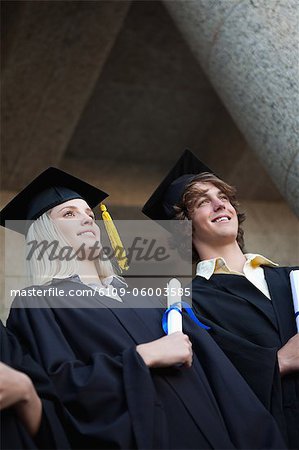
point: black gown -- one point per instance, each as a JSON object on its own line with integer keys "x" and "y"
{"x": 250, "y": 329}
{"x": 51, "y": 433}
{"x": 113, "y": 400}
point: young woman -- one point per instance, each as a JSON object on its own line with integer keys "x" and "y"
{"x": 122, "y": 382}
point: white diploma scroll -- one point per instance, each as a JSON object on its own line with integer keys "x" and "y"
{"x": 174, "y": 318}
{"x": 294, "y": 278}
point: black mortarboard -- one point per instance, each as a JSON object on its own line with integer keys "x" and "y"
{"x": 51, "y": 188}
{"x": 169, "y": 192}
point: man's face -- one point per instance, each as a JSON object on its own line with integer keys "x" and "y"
{"x": 214, "y": 219}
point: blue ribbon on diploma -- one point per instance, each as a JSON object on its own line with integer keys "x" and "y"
{"x": 188, "y": 310}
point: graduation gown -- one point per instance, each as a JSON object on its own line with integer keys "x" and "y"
{"x": 250, "y": 329}
{"x": 51, "y": 433}
{"x": 113, "y": 400}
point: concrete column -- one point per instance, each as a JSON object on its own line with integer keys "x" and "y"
{"x": 249, "y": 49}
{"x": 55, "y": 52}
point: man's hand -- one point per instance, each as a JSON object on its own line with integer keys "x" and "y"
{"x": 288, "y": 356}
{"x": 17, "y": 390}
{"x": 167, "y": 351}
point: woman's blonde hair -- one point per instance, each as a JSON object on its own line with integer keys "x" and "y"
{"x": 185, "y": 207}
{"x": 41, "y": 270}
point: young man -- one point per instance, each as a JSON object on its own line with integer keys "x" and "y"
{"x": 245, "y": 298}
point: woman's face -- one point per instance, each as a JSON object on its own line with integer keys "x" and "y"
{"x": 75, "y": 220}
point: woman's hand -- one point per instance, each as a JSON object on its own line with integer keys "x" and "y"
{"x": 167, "y": 351}
{"x": 17, "y": 390}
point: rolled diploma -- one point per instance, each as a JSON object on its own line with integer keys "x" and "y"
{"x": 174, "y": 318}
{"x": 294, "y": 278}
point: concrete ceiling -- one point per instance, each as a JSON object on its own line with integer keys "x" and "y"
{"x": 111, "y": 92}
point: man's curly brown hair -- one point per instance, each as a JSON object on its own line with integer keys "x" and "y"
{"x": 186, "y": 206}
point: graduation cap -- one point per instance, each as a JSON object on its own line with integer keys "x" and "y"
{"x": 49, "y": 189}
{"x": 160, "y": 205}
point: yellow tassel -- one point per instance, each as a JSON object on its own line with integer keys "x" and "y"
{"x": 114, "y": 238}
